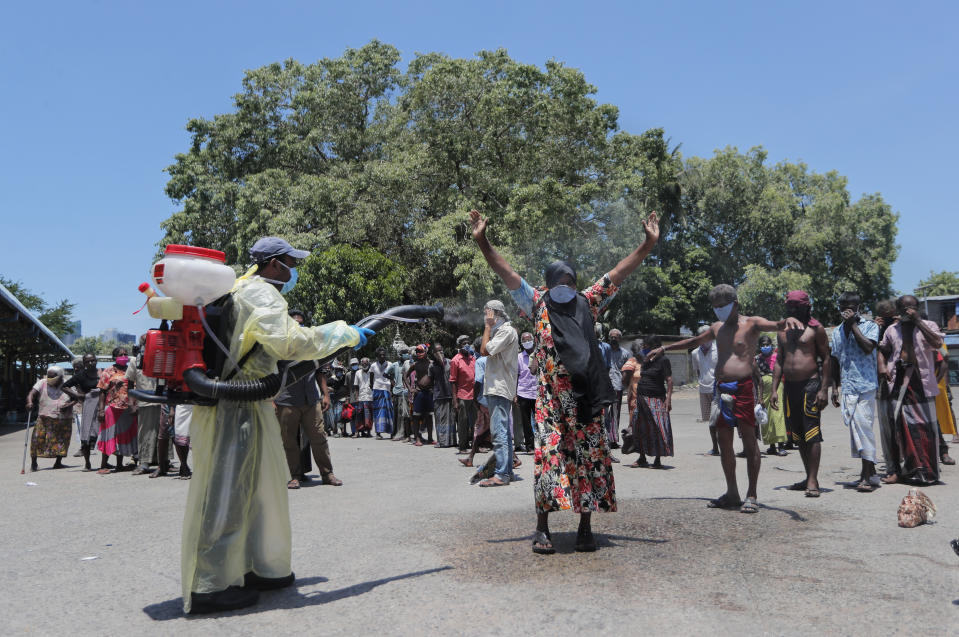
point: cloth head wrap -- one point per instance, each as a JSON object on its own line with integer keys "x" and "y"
{"x": 555, "y": 271}
{"x": 800, "y": 297}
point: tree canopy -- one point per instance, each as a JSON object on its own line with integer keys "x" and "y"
{"x": 939, "y": 284}
{"x": 57, "y": 317}
{"x": 373, "y": 168}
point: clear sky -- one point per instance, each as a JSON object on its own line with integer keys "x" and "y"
{"x": 95, "y": 97}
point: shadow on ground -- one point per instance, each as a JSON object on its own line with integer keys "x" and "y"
{"x": 287, "y": 598}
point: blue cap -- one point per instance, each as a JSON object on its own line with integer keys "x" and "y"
{"x": 269, "y": 247}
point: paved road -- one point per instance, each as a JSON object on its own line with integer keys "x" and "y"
{"x": 408, "y": 547}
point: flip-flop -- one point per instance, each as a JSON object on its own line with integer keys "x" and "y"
{"x": 865, "y": 486}
{"x": 749, "y": 506}
{"x": 812, "y": 493}
{"x": 542, "y": 538}
{"x": 293, "y": 484}
{"x": 104, "y": 472}
{"x": 724, "y": 502}
{"x": 798, "y": 486}
{"x": 493, "y": 482}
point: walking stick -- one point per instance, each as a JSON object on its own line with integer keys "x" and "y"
{"x": 26, "y": 443}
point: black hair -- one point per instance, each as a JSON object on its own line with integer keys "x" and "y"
{"x": 901, "y": 301}
{"x": 117, "y": 350}
{"x": 850, "y": 298}
{"x": 765, "y": 339}
{"x": 652, "y": 341}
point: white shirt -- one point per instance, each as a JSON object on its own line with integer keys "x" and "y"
{"x": 362, "y": 382}
{"x": 706, "y": 367}
{"x": 381, "y": 379}
{"x": 501, "y": 368}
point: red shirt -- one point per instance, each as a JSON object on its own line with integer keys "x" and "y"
{"x": 462, "y": 376}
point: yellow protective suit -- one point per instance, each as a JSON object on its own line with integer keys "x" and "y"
{"x": 237, "y": 517}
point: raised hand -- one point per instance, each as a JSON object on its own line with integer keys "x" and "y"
{"x": 651, "y": 226}
{"x": 477, "y": 224}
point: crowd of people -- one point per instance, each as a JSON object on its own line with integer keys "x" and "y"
{"x": 555, "y": 392}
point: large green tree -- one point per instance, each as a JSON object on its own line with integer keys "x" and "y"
{"x": 354, "y": 152}
{"x": 939, "y": 284}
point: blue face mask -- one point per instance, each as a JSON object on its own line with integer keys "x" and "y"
{"x": 286, "y": 285}
{"x": 354, "y": 367}
{"x": 562, "y": 294}
{"x": 766, "y": 349}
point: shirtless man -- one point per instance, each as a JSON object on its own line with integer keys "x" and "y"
{"x": 736, "y": 337}
{"x": 800, "y": 352}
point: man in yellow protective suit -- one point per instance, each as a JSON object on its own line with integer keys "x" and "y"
{"x": 236, "y": 532}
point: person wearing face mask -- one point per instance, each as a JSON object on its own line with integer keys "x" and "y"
{"x": 118, "y": 422}
{"x": 526, "y": 390}
{"x": 401, "y": 397}
{"x": 236, "y": 533}
{"x": 774, "y": 431}
{"x": 704, "y": 364}
{"x": 736, "y": 337}
{"x": 148, "y": 415}
{"x": 907, "y": 363}
{"x": 499, "y": 389}
{"x": 572, "y": 464}
{"x": 803, "y": 362}
{"x": 54, "y": 424}
{"x": 339, "y": 393}
{"x": 363, "y": 400}
{"x": 84, "y": 380}
{"x": 462, "y": 377}
{"x": 617, "y": 358}
{"x": 382, "y": 395}
{"x": 853, "y": 346}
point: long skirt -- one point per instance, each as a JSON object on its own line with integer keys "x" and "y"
{"x": 652, "y": 429}
{"x": 51, "y": 437}
{"x": 947, "y": 420}
{"x": 118, "y": 432}
{"x": 148, "y": 429}
{"x": 382, "y": 411}
{"x": 774, "y": 430}
{"x": 89, "y": 426}
{"x": 443, "y": 418}
{"x": 915, "y": 427}
{"x": 572, "y": 468}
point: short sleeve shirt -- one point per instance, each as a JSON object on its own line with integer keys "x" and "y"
{"x": 113, "y": 381}
{"x": 381, "y": 379}
{"x": 857, "y": 369}
{"x": 364, "y": 393}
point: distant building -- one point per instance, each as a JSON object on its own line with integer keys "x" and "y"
{"x": 74, "y": 333}
{"x": 113, "y": 334}
{"x": 943, "y": 311}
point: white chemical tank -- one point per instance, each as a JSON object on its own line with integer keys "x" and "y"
{"x": 192, "y": 275}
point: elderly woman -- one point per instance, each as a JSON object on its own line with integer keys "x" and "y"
{"x": 650, "y": 401}
{"x": 51, "y": 434}
{"x": 572, "y": 465}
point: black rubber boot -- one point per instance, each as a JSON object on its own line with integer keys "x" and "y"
{"x": 232, "y": 598}
{"x": 253, "y": 581}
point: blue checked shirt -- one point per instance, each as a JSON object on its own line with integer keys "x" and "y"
{"x": 857, "y": 369}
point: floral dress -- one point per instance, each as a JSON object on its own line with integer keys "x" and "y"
{"x": 572, "y": 466}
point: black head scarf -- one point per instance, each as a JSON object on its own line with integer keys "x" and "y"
{"x": 578, "y": 349}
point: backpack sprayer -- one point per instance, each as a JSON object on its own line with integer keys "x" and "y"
{"x": 187, "y": 355}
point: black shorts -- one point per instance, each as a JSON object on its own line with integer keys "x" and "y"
{"x": 801, "y": 412}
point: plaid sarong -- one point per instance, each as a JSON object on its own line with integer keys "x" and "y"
{"x": 382, "y": 411}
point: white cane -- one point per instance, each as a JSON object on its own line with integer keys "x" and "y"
{"x": 26, "y": 443}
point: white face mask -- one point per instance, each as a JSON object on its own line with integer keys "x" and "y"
{"x": 722, "y": 313}
{"x": 527, "y": 344}
{"x": 562, "y": 293}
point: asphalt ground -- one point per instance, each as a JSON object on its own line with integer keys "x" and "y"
{"x": 408, "y": 547}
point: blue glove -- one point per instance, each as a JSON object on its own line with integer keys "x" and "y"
{"x": 364, "y": 333}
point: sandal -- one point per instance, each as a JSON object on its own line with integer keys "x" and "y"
{"x": 749, "y": 506}
{"x": 865, "y": 486}
{"x": 545, "y": 542}
{"x": 812, "y": 493}
{"x": 104, "y": 472}
{"x": 493, "y": 482}
{"x": 724, "y": 502}
{"x": 293, "y": 484}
